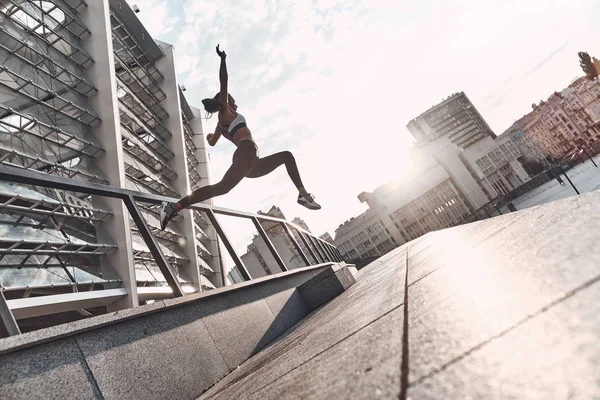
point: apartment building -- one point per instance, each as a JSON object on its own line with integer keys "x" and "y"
{"x": 363, "y": 237}
{"x": 567, "y": 121}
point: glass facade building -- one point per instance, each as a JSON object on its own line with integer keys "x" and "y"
{"x": 87, "y": 94}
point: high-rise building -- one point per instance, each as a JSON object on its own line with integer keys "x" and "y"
{"x": 455, "y": 117}
{"x": 86, "y": 93}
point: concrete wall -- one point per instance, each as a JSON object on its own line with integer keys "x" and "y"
{"x": 171, "y": 349}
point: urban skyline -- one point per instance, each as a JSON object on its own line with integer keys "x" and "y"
{"x": 466, "y": 170}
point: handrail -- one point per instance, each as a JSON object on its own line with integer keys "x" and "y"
{"x": 29, "y": 177}
{"x": 325, "y": 251}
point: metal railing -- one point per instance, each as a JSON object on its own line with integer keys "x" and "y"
{"x": 319, "y": 250}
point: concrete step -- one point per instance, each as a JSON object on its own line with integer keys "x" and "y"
{"x": 174, "y": 348}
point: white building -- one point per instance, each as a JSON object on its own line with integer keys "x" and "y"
{"x": 258, "y": 258}
{"x": 87, "y": 94}
{"x": 460, "y": 168}
{"x": 363, "y": 237}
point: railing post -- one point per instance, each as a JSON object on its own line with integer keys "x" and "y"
{"x": 336, "y": 253}
{"x": 237, "y": 260}
{"x": 323, "y": 249}
{"x": 269, "y": 244}
{"x": 339, "y": 254}
{"x": 157, "y": 253}
{"x": 8, "y": 320}
{"x": 318, "y": 250}
{"x": 295, "y": 243}
{"x": 328, "y": 250}
{"x": 308, "y": 246}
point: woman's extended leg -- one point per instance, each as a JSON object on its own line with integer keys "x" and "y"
{"x": 268, "y": 164}
{"x": 243, "y": 160}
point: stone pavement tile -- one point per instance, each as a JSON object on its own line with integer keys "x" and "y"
{"x": 54, "y": 370}
{"x": 364, "y": 302}
{"x": 553, "y": 355}
{"x": 449, "y": 244}
{"x": 365, "y": 365}
{"x": 504, "y": 279}
{"x": 382, "y": 265}
{"x": 162, "y": 356}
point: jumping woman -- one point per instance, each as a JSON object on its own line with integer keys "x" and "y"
{"x": 246, "y": 163}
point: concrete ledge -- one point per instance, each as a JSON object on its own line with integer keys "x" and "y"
{"x": 175, "y": 348}
{"x": 14, "y": 343}
{"x": 326, "y": 285}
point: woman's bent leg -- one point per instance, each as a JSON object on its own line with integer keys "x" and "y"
{"x": 243, "y": 160}
{"x": 268, "y": 164}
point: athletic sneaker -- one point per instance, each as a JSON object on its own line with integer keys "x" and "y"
{"x": 308, "y": 201}
{"x": 166, "y": 213}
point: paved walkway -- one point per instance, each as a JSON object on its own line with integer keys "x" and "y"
{"x": 584, "y": 176}
{"x": 508, "y": 307}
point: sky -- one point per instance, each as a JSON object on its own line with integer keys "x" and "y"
{"x": 336, "y": 81}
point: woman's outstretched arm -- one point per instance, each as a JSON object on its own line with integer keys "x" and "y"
{"x": 213, "y": 138}
{"x": 223, "y": 98}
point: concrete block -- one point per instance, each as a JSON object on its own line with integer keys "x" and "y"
{"x": 353, "y": 270}
{"x": 240, "y": 325}
{"x": 163, "y": 356}
{"x": 326, "y": 285}
{"x": 55, "y": 370}
{"x": 288, "y": 307}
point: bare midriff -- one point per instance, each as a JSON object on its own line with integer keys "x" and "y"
{"x": 241, "y": 135}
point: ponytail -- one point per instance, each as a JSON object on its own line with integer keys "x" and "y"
{"x": 211, "y": 105}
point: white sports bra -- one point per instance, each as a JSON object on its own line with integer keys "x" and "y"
{"x": 228, "y": 131}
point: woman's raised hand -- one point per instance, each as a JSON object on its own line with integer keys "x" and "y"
{"x": 221, "y": 53}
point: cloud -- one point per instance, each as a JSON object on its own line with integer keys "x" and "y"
{"x": 156, "y": 16}
{"x": 335, "y": 81}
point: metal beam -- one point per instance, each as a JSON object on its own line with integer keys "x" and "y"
{"x": 7, "y": 318}
{"x": 295, "y": 243}
{"x": 157, "y": 253}
{"x": 308, "y": 246}
{"x": 328, "y": 250}
{"x": 237, "y": 260}
{"x": 323, "y": 249}
{"x": 334, "y": 252}
{"x": 339, "y": 254}
{"x": 45, "y": 305}
{"x": 318, "y": 251}
{"x": 269, "y": 244}
{"x": 28, "y": 177}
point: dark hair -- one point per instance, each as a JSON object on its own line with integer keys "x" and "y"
{"x": 213, "y": 105}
